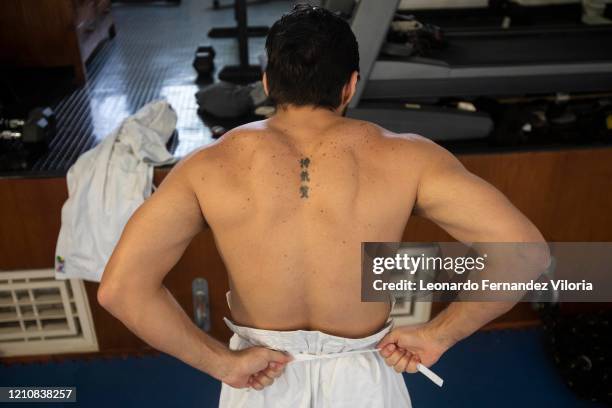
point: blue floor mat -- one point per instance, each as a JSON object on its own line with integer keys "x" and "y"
{"x": 490, "y": 369}
{"x": 508, "y": 368}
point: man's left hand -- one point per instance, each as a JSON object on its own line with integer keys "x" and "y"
{"x": 404, "y": 347}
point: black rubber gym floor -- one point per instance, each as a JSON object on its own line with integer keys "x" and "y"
{"x": 150, "y": 58}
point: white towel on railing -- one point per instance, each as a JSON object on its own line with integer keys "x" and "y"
{"x": 106, "y": 185}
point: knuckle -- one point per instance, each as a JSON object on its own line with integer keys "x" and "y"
{"x": 396, "y": 356}
{"x": 274, "y": 374}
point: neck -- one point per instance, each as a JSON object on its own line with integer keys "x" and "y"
{"x": 305, "y": 115}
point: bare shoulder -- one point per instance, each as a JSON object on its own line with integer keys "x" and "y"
{"x": 406, "y": 148}
{"x": 228, "y": 148}
{"x": 368, "y": 128}
{"x": 416, "y": 144}
{"x": 429, "y": 151}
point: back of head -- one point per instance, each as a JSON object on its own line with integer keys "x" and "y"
{"x": 311, "y": 56}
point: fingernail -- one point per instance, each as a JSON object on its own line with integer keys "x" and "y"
{"x": 274, "y": 365}
{"x": 391, "y": 347}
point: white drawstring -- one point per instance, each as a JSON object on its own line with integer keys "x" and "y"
{"x": 310, "y": 357}
{"x": 436, "y": 379}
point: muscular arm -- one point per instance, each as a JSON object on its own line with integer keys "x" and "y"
{"x": 472, "y": 211}
{"x": 131, "y": 289}
{"x": 467, "y": 207}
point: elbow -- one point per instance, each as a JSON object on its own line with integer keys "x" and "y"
{"x": 536, "y": 257}
{"x": 121, "y": 296}
{"x": 539, "y": 251}
{"x": 543, "y": 257}
{"x": 109, "y": 296}
{"x": 530, "y": 252}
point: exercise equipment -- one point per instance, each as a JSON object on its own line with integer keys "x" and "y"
{"x": 475, "y": 62}
{"x": 37, "y": 129}
{"x": 175, "y": 2}
{"x": 545, "y": 121}
{"x": 409, "y": 37}
{"x": 227, "y": 100}
{"x": 217, "y": 131}
{"x": 217, "y": 4}
{"x": 36, "y": 113}
{"x": 204, "y": 60}
{"x": 243, "y": 72}
{"x": 580, "y": 348}
{"x": 436, "y": 123}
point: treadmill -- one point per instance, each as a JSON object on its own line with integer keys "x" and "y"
{"x": 476, "y": 62}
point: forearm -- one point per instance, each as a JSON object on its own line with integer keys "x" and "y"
{"x": 156, "y": 317}
{"x": 461, "y": 319}
{"x": 514, "y": 262}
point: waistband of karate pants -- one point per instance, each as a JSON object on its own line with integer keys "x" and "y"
{"x": 306, "y": 341}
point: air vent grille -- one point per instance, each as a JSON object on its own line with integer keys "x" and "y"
{"x": 41, "y": 315}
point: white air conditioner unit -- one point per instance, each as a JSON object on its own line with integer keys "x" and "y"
{"x": 41, "y": 315}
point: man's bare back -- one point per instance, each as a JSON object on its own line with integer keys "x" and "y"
{"x": 291, "y": 241}
{"x": 289, "y": 201}
{"x": 290, "y": 206}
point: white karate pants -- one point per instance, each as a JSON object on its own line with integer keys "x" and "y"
{"x": 320, "y": 376}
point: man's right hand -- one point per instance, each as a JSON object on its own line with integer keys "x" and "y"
{"x": 255, "y": 367}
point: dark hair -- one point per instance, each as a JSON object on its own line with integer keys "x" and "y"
{"x": 311, "y": 55}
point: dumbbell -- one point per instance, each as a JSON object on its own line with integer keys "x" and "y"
{"x": 217, "y": 131}
{"x": 203, "y": 61}
{"x": 35, "y": 114}
{"x": 36, "y": 130}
